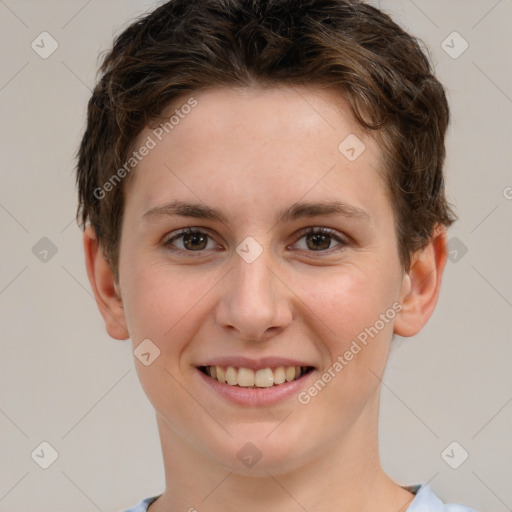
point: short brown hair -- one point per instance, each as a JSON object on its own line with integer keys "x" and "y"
{"x": 191, "y": 45}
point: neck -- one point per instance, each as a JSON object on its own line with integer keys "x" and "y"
{"x": 343, "y": 476}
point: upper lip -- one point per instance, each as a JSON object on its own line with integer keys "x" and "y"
{"x": 254, "y": 364}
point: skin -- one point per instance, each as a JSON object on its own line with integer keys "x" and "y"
{"x": 253, "y": 153}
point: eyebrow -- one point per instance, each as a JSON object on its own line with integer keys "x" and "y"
{"x": 294, "y": 212}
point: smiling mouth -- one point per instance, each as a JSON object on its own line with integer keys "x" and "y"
{"x": 249, "y": 378}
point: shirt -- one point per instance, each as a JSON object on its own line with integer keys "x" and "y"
{"x": 424, "y": 501}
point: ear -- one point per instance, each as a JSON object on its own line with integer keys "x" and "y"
{"x": 104, "y": 287}
{"x": 422, "y": 284}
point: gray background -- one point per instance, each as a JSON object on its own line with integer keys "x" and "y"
{"x": 64, "y": 381}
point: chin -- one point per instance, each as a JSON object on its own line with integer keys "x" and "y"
{"x": 259, "y": 449}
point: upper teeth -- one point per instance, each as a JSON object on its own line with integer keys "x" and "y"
{"x": 246, "y": 377}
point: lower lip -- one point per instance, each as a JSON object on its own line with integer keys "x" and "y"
{"x": 257, "y": 396}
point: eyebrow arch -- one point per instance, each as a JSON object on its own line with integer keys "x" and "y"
{"x": 304, "y": 209}
{"x": 294, "y": 212}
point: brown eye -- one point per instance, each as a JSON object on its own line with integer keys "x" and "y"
{"x": 318, "y": 241}
{"x": 192, "y": 240}
{"x": 195, "y": 241}
{"x": 321, "y": 240}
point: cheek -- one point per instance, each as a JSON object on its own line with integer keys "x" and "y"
{"x": 162, "y": 302}
{"x": 154, "y": 302}
{"x": 357, "y": 340}
{"x": 350, "y": 299}
{"x": 162, "y": 305}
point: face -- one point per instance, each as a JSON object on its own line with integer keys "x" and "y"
{"x": 251, "y": 241}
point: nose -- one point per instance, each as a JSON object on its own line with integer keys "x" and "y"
{"x": 255, "y": 303}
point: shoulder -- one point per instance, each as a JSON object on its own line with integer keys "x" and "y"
{"x": 424, "y": 501}
{"x": 427, "y": 501}
{"x": 143, "y": 505}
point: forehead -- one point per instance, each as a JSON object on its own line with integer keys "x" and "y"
{"x": 289, "y": 112}
{"x": 252, "y": 141}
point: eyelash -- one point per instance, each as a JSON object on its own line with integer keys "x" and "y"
{"x": 309, "y": 231}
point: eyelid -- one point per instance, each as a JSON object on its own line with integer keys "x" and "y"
{"x": 343, "y": 240}
{"x": 166, "y": 241}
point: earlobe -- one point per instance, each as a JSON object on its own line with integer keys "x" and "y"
{"x": 104, "y": 287}
{"x": 422, "y": 284}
